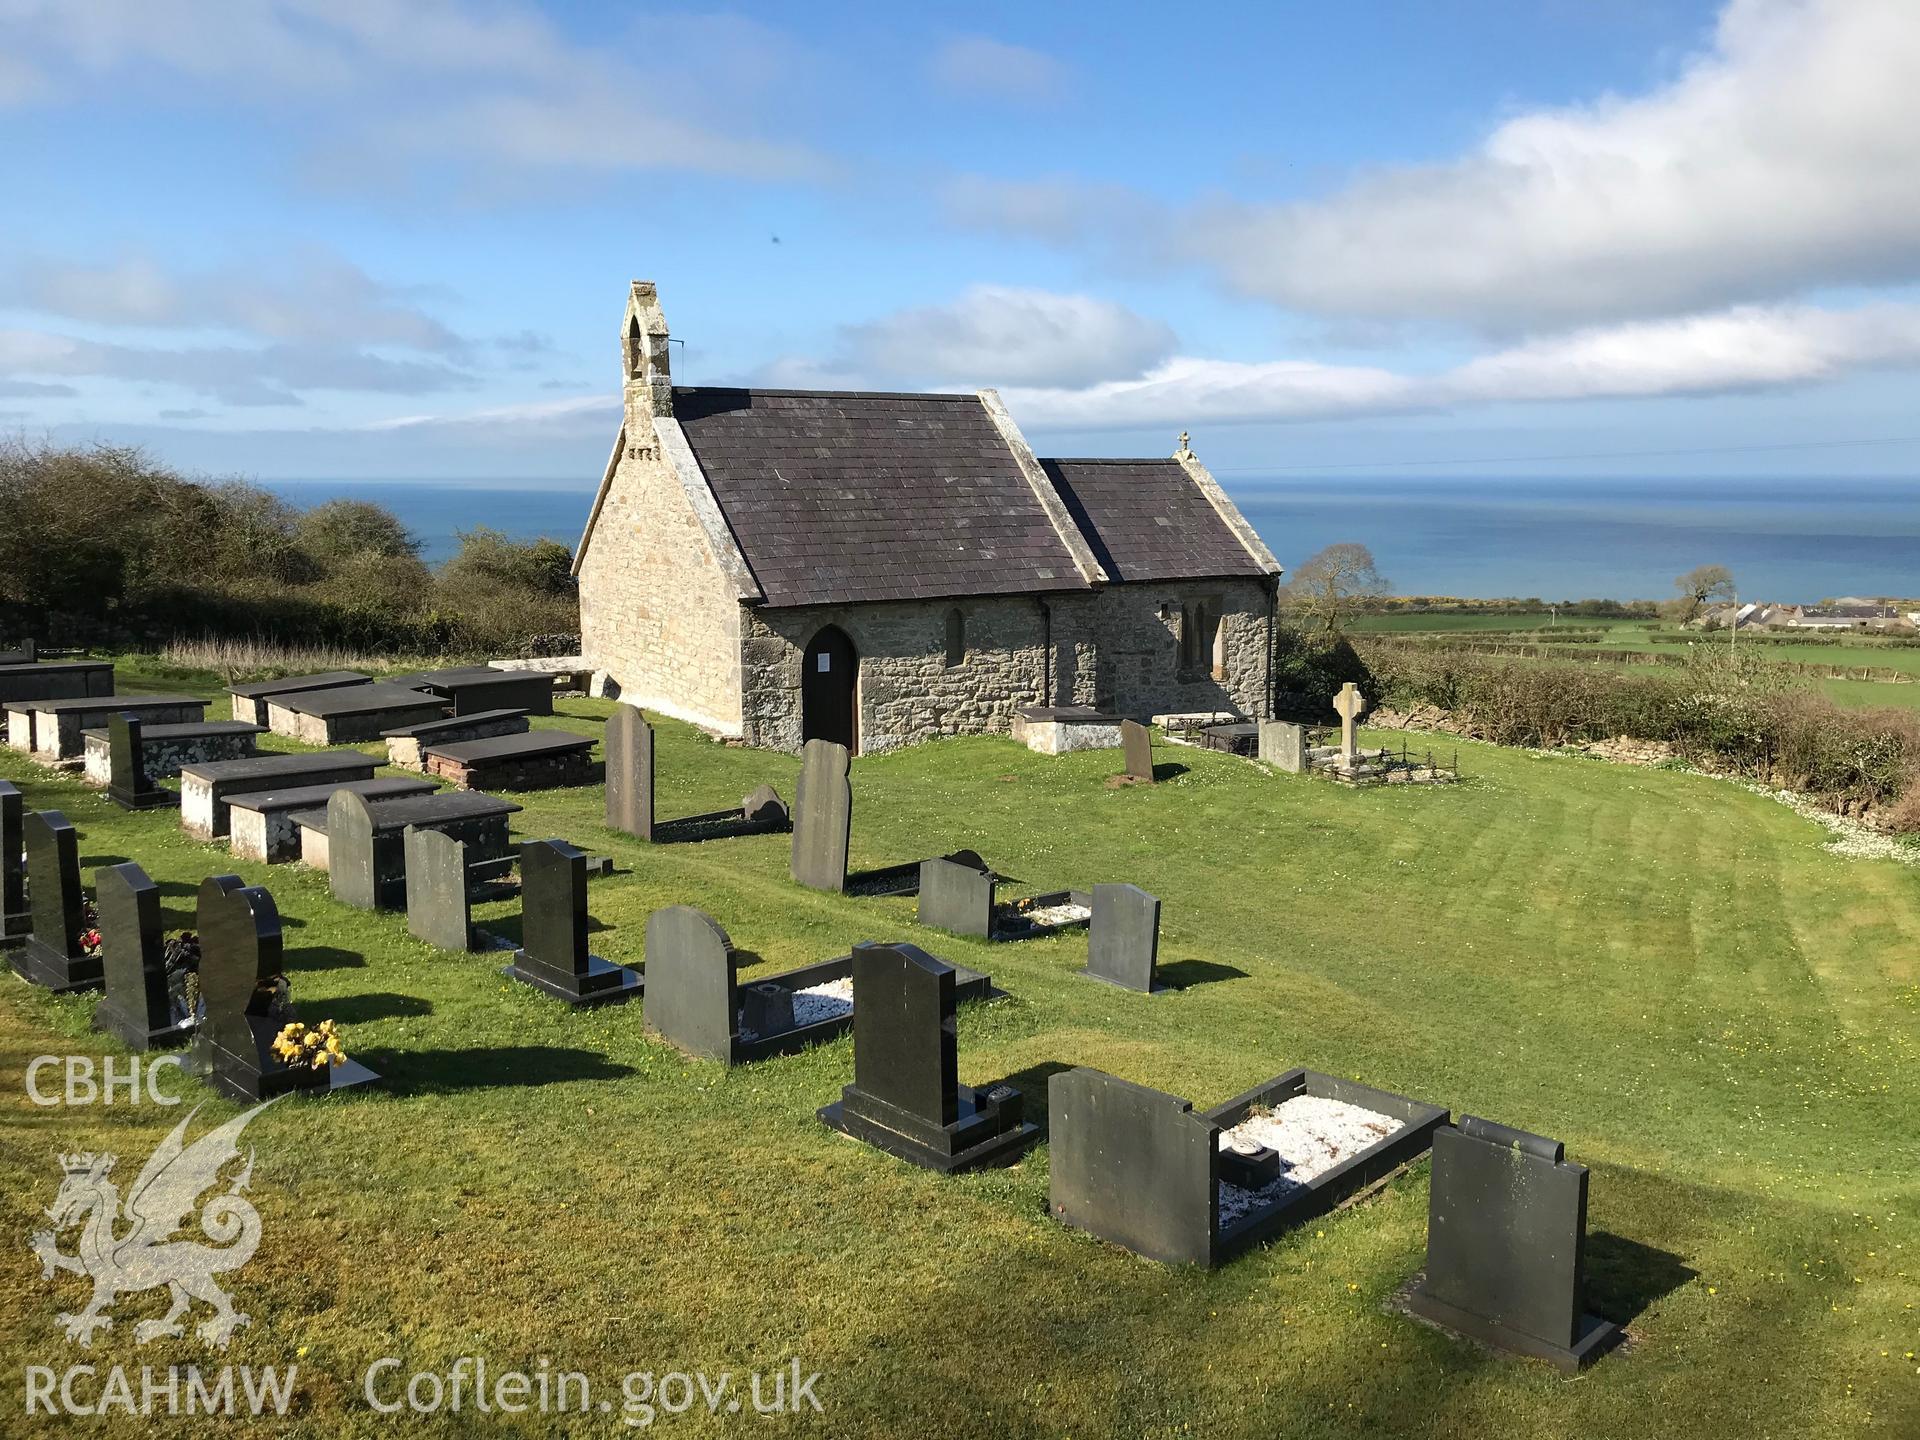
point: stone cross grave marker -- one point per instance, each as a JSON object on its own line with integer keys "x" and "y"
{"x": 137, "y": 1006}
{"x": 1136, "y": 745}
{"x": 906, "y": 1097}
{"x": 629, "y": 750}
{"x": 1123, "y": 941}
{"x": 823, "y": 818}
{"x": 553, "y": 954}
{"x": 51, "y": 956}
{"x": 1349, "y": 705}
{"x": 1506, "y": 1241}
{"x": 15, "y": 922}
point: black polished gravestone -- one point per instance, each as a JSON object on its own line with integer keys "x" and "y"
{"x": 629, "y": 752}
{"x": 823, "y": 818}
{"x": 1506, "y": 1245}
{"x": 1141, "y": 1168}
{"x": 906, "y": 1097}
{"x": 240, "y": 974}
{"x": 138, "y": 1006}
{"x": 1136, "y": 746}
{"x": 553, "y": 931}
{"x": 51, "y": 956}
{"x": 15, "y": 922}
{"x": 1123, "y": 940}
{"x": 130, "y": 787}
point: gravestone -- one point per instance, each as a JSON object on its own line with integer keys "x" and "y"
{"x": 1506, "y": 1242}
{"x": 906, "y": 1097}
{"x": 823, "y": 819}
{"x": 1283, "y": 745}
{"x": 764, "y": 807}
{"x": 629, "y": 750}
{"x": 1349, "y": 705}
{"x": 439, "y": 889}
{"x": 553, "y": 931}
{"x": 692, "y": 997}
{"x": 138, "y": 1006}
{"x": 51, "y": 956}
{"x": 240, "y": 976}
{"x": 130, "y": 787}
{"x": 1136, "y": 744}
{"x": 1123, "y": 942}
{"x": 1133, "y": 1165}
{"x": 956, "y": 896}
{"x": 15, "y": 922}
{"x": 353, "y": 869}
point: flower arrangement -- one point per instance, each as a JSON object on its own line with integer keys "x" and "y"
{"x": 311, "y": 1049}
{"x": 89, "y": 928}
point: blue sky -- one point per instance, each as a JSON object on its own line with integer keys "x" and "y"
{"x": 359, "y": 239}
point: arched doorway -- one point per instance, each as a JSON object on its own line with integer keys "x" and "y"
{"x": 829, "y": 689}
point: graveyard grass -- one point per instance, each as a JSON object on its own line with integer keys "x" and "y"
{"x": 1716, "y": 1014}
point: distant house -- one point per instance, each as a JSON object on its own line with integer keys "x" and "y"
{"x": 1848, "y": 614}
{"x": 878, "y": 569}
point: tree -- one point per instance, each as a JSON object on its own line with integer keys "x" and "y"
{"x": 1332, "y": 584}
{"x": 1700, "y": 586}
{"x": 338, "y": 531}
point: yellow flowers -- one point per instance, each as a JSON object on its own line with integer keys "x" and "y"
{"x": 313, "y": 1049}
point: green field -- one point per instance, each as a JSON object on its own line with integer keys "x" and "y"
{"x": 1672, "y": 975}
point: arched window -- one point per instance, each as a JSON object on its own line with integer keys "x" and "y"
{"x": 956, "y": 637}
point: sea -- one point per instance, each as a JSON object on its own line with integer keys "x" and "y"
{"x": 1789, "y": 541}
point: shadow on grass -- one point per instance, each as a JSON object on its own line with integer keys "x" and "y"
{"x": 1626, "y": 1278}
{"x": 95, "y": 862}
{"x": 323, "y": 957}
{"x": 1184, "y": 974}
{"x": 1172, "y": 770}
{"x": 380, "y": 1005}
{"x": 1031, "y": 1082}
{"x": 419, "y": 1072}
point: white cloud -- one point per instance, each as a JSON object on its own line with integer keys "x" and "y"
{"x": 235, "y": 375}
{"x": 305, "y": 296}
{"x": 999, "y": 335}
{"x": 1744, "y": 348}
{"x": 975, "y": 67}
{"x": 1785, "y": 157}
{"x": 477, "y": 85}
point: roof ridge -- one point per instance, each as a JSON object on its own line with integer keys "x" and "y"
{"x": 826, "y": 394}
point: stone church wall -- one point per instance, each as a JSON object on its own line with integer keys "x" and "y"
{"x": 656, "y": 614}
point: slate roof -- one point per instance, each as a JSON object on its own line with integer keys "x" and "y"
{"x": 1147, "y": 520}
{"x": 839, "y": 496}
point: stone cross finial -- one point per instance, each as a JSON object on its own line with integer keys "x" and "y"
{"x": 1185, "y": 452}
{"x": 1349, "y": 705}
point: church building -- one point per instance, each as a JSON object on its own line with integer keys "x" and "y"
{"x": 880, "y": 569}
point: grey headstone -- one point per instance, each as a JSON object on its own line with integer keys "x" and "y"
{"x": 439, "y": 902}
{"x": 1136, "y": 744}
{"x": 956, "y": 896}
{"x": 352, "y": 869}
{"x": 51, "y": 955}
{"x": 764, "y": 807}
{"x": 1123, "y": 942}
{"x": 1134, "y": 1166}
{"x": 692, "y": 997}
{"x": 1506, "y": 1243}
{"x": 1283, "y": 745}
{"x": 629, "y": 750}
{"x": 137, "y": 1006}
{"x": 15, "y": 923}
{"x": 823, "y": 822}
{"x": 553, "y": 930}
